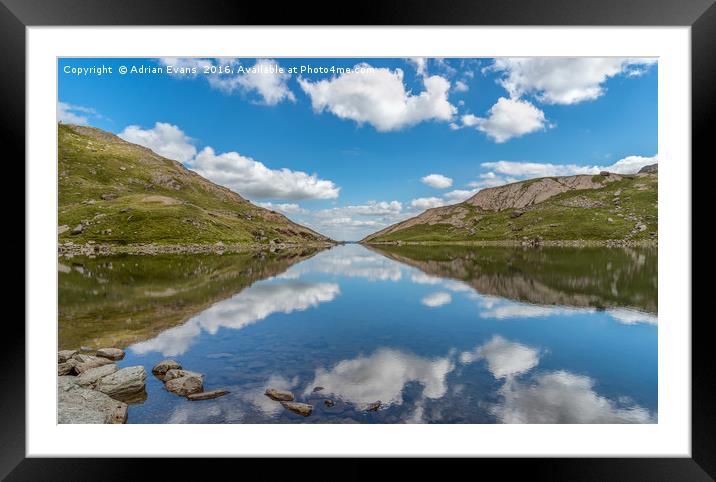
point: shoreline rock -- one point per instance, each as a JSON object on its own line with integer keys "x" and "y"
{"x": 70, "y": 248}
{"x": 279, "y": 395}
{"x": 124, "y": 384}
{"x": 161, "y": 368}
{"x": 299, "y": 408}
{"x": 207, "y": 395}
{"x": 184, "y": 386}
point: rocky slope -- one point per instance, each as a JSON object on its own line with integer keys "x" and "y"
{"x": 584, "y": 207}
{"x": 118, "y": 193}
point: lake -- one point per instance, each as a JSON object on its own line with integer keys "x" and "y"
{"x": 437, "y": 334}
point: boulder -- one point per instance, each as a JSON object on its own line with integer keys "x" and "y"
{"x": 279, "y": 395}
{"x": 184, "y": 386}
{"x": 64, "y": 355}
{"x": 87, "y": 362}
{"x": 373, "y": 407}
{"x": 176, "y": 373}
{"x": 82, "y": 405}
{"x": 604, "y": 173}
{"x": 516, "y": 214}
{"x": 77, "y": 229}
{"x": 302, "y": 409}
{"x": 124, "y": 384}
{"x": 207, "y": 395}
{"x": 66, "y": 368}
{"x": 111, "y": 353}
{"x": 329, "y": 403}
{"x": 91, "y": 376}
{"x": 164, "y": 366}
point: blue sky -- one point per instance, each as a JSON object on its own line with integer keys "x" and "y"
{"x": 349, "y": 146}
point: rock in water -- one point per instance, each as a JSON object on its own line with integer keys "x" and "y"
{"x": 373, "y": 407}
{"x": 184, "y": 386}
{"x": 92, "y": 375}
{"x": 302, "y": 409}
{"x": 124, "y": 384}
{"x": 82, "y": 405}
{"x": 177, "y": 373}
{"x": 164, "y": 366}
{"x": 207, "y": 395}
{"x": 111, "y": 353}
{"x": 329, "y": 403}
{"x": 64, "y": 355}
{"x": 317, "y": 389}
{"x": 279, "y": 395}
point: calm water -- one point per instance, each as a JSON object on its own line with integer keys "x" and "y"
{"x": 437, "y": 334}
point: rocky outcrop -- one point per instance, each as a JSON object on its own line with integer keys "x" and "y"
{"x": 124, "y": 384}
{"x": 649, "y": 169}
{"x": 76, "y": 404}
{"x": 92, "y": 376}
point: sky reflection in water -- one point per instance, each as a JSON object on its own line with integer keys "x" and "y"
{"x": 463, "y": 336}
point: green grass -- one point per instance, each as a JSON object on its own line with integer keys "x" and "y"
{"x": 194, "y": 211}
{"x": 554, "y": 219}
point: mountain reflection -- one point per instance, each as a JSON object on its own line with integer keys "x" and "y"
{"x": 576, "y": 277}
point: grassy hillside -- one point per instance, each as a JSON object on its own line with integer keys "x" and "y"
{"x": 115, "y": 192}
{"x": 618, "y": 208}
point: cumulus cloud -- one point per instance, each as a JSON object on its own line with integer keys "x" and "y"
{"x": 461, "y": 86}
{"x": 74, "y": 114}
{"x": 245, "y": 308}
{"x": 256, "y": 181}
{"x": 627, "y": 165}
{"x": 437, "y": 299}
{"x": 286, "y": 208}
{"x": 632, "y": 317}
{"x": 504, "y": 358}
{"x": 265, "y": 78}
{"x": 424, "y": 203}
{"x": 459, "y": 195}
{"x": 437, "y": 181}
{"x": 563, "y": 397}
{"x": 241, "y": 174}
{"x": 383, "y": 376}
{"x": 564, "y": 80}
{"x": 377, "y": 96}
{"x": 165, "y": 139}
{"x": 420, "y": 64}
{"x": 507, "y": 119}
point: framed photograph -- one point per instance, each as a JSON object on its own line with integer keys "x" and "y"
{"x": 421, "y": 232}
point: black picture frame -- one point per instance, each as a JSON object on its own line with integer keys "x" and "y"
{"x": 700, "y": 15}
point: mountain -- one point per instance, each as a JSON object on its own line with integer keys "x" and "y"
{"x": 117, "y": 193}
{"x": 607, "y": 206}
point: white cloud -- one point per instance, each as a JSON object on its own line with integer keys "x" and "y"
{"x": 420, "y": 64}
{"x": 507, "y": 119}
{"x": 627, "y": 165}
{"x": 437, "y": 299}
{"x": 563, "y": 80}
{"x": 424, "y": 203}
{"x": 632, "y": 317}
{"x": 437, "y": 181}
{"x": 382, "y": 377}
{"x": 461, "y": 86}
{"x": 490, "y": 179}
{"x": 245, "y": 308}
{"x": 377, "y": 96}
{"x": 74, "y": 114}
{"x": 266, "y": 77}
{"x": 286, "y": 208}
{"x": 459, "y": 195}
{"x": 504, "y": 358}
{"x": 165, "y": 139}
{"x": 256, "y": 181}
{"x": 562, "y": 397}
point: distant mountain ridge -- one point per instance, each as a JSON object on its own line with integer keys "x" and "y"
{"x": 117, "y": 193}
{"x": 606, "y": 206}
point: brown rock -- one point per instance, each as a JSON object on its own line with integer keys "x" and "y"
{"x": 64, "y": 355}
{"x": 302, "y": 409}
{"x": 87, "y": 362}
{"x": 279, "y": 395}
{"x": 373, "y": 407}
{"x": 111, "y": 353}
{"x": 185, "y": 385}
{"x": 207, "y": 395}
{"x": 178, "y": 373}
{"x": 66, "y": 368}
{"x": 126, "y": 384}
{"x": 92, "y": 375}
{"x": 164, "y": 366}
